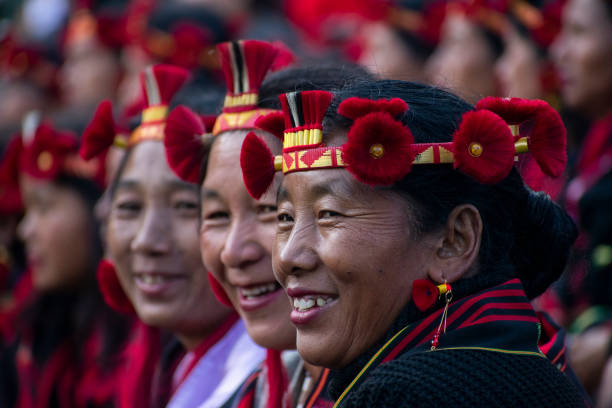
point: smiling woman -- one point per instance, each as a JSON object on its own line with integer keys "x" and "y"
{"x": 406, "y": 237}
{"x": 153, "y": 241}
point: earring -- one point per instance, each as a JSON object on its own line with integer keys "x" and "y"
{"x": 448, "y": 294}
{"x": 425, "y": 293}
{"x": 111, "y": 289}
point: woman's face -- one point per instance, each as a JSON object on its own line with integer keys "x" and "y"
{"x": 58, "y": 232}
{"x": 583, "y": 56}
{"x": 236, "y": 235}
{"x": 346, "y": 255}
{"x": 153, "y": 240}
{"x": 518, "y": 68}
{"x": 463, "y": 60}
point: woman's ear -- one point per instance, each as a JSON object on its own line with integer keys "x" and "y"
{"x": 458, "y": 245}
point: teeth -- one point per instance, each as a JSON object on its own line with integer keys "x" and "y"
{"x": 258, "y": 290}
{"x": 305, "y": 303}
{"x": 151, "y": 279}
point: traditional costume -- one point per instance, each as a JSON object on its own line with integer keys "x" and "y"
{"x": 280, "y": 380}
{"x": 479, "y": 342}
{"x": 160, "y": 371}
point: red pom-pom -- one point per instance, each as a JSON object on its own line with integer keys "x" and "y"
{"x": 513, "y": 110}
{"x": 257, "y": 163}
{"x": 218, "y": 291}
{"x": 160, "y": 83}
{"x": 483, "y": 147}
{"x": 111, "y": 289}
{"x": 378, "y": 150}
{"x": 424, "y": 294}
{"x": 548, "y": 141}
{"x": 208, "y": 121}
{"x": 542, "y": 126}
{"x": 354, "y": 108}
{"x": 272, "y": 123}
{"x": 100, "y": 134}
{"x": 183, "y": 143}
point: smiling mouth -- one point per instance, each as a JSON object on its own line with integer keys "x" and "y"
{"x": 304, "y": 303}
{"x": 257, "y": 291}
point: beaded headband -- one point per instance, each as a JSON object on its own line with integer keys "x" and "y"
{"x": 159, "y": 84}
{"x": 380, "y": 149}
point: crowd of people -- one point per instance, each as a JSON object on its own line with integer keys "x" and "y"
{"x": 306, "y": 204}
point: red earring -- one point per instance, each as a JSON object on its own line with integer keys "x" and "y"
{"x": 218, "y": 291}
{"x": 425, "y": 293}
{"x": 111, "y": 289}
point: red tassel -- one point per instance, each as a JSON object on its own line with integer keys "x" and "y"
{"x": 161, "y": 82}
{"x": 284, "y": 56}
{"x": 278, "y": 381}
{"x": 183, "y": 143}
{"x": 47, "y": 140}
{"x": 208, "y": 121}
{"x": 258, "y": 57}
{"x": 272, "y": 123}
{"x": 378, "y": 150}
{"x": 226, "y": 65}
{"x": 257, "y": 163}
{"x": 547, "y": 138}
{"x": 111, "y": 289}
{"x": 354, "y": 107}
{"x": 314, "y": 106}
{"x": 218, "y": 291}
{"x": 100, "y": 134}
{"x": 483, "y": 147}
{"x": 424, "y": 294}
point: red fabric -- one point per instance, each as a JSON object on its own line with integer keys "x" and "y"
{"x": 10, "y": 195}
{"x": 169, "y": 80}
{"x": 258, "y": 58}
{"x": 354, "y": 108}
{"x": 183, "y": 143}
{"x": 218, "y": 290}
{"x": 257, "y": 163}
{"x": 207, "y": 343}
{"x": 379, "y": 128}
{"x": 20, "y": 296}
{"x": 278, "y": 381}
{"x": 491, "y": 132}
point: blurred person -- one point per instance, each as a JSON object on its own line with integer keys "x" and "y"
{"x": 189, "y": 350}
{"x": 237, "y": 230}
{"x": 399, "y": 46}
{"x": 92, "y": 42}
{"x": 67, "y": 346}
{"x": 583, "y": 55}
{"x": 469, "y": 45}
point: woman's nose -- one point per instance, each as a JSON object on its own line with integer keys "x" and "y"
{"x": 241, "y": 246}
{"x": 154, "y": 234}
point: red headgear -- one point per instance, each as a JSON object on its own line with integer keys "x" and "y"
{"x": 381, "y": 150}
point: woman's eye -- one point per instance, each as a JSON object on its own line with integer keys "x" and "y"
{"x": 129, "y": 206}
{"x": 186, "y": 205}
{"x": 266, "y": 209}
{"x": 216, "y": 215}
{"x": 284, "y": 217}
{"x": 329, "y": 214}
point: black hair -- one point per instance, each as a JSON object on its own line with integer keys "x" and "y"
{"x": 302, "y": 78}
{"x": 525, "y": 234}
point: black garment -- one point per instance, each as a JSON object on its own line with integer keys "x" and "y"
{"x": 467, "y": 377}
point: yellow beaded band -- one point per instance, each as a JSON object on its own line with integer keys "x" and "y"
{"x": 238, "y": 120}
{"x": 302, "y": 138}
{"x": 154, "y": 114}
{"x": 247, "y": 99}
{"x": 318, "y": 158}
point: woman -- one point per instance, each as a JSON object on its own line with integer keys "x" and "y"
{"x": 582, "y": 53}
{"x": 68, "y": 344}
{"x": 237, "y": 231}
{"x": 152, "y": 237}
{"x": 470, "y": 43}
{"x": 404, "y": 278}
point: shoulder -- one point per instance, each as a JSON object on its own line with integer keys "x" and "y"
{"x": 466, "y": 378}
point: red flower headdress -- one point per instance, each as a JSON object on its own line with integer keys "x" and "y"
{"x": 380, "y": 149}
{"x": 47, "y": 153}
{"x": 245, "y": 64}
{"x": 159, "y": 84}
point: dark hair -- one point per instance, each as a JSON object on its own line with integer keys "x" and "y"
{"x": 524, "y": 233}
{"x": 303, "y": 78}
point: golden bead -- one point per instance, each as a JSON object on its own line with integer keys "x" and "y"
{"x": 475, "y": 149}
{"x": 44, "y": 161}
{"x": 377, "y": 151}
